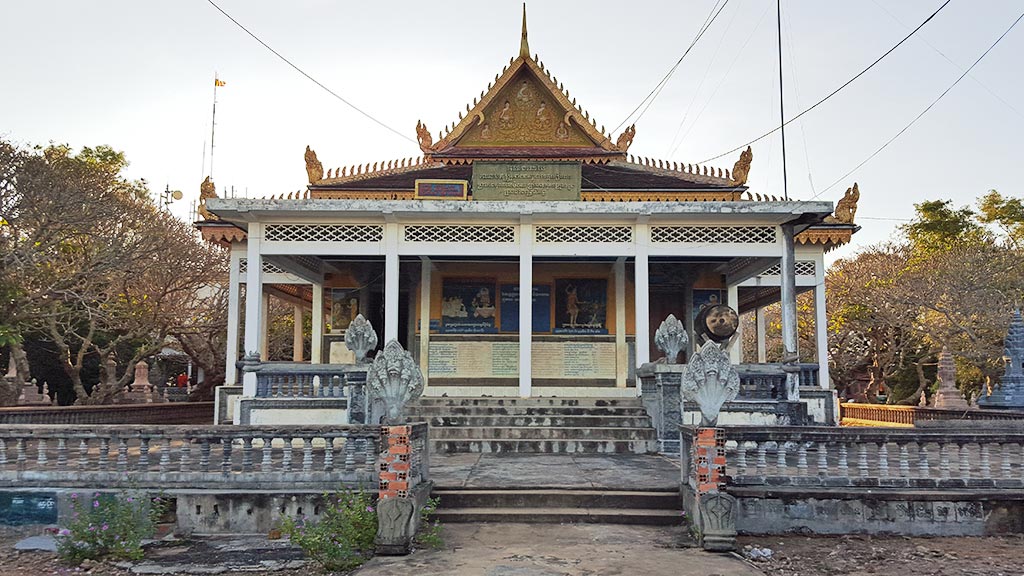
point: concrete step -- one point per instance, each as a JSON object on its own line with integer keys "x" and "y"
{"x": 549, "y": 420}
{"x": 560, "y": 516}
{"x": 558, "y": 498}
{"x": 575, "y": 446}
{"x": 553, "y": 401}
{"x": 431, "y": 411}
{"x": 541, "y": 433}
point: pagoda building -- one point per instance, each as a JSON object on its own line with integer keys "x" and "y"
{"x": 525, "y": 193}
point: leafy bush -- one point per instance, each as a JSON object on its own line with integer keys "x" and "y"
{"x": 342, "y": 538}
{"x": 430, "y": 529}
{"x": 108, "y": 525}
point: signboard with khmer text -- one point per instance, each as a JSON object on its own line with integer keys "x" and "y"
{"x": 526, "y": 180}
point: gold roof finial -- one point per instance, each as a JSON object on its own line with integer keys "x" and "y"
{"x": 524, "y": 44}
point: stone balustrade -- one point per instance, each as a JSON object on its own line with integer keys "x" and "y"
{"x": 768, "y": 381}
{"x": 866, "y": 457}
{"x": 168, "y": 413}
{"x": 194, "y": 457}
{"x": 295, "y": 380}
{"x": 857, "y": 414}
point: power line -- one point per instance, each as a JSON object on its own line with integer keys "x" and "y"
{"x": 834, "y": 92}
{"x": 954, "y": 64}
{"x": 929, "y": 107}
{"x": 649, "y": 99}
{"x": 311, "y": 79}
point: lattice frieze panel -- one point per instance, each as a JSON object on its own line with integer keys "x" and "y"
{"x": 584, "y": 234}
{"x": 459, "y": 233}
{"x": 803, "y": 268}
{"x": 268, "y": 268}
{"x": 324, "y": 233}
{"x": 713, "y": 234}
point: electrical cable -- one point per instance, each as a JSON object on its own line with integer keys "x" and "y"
{"x": 834, "y": 92}
{"x": 303, "y": 72}
{"x": 929, "y": 107}
{"x": 954, "y": 64}
{"x": 649, "y": 99}
{"x": 703, "y": 78}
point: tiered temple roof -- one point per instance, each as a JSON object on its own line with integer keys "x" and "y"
{"x": 525, "y": 113}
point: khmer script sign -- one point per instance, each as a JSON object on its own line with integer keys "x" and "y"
{"x": 526, "y": 180}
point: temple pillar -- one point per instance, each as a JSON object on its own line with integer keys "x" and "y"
{"x": 297, "y": 333}
{"x": 391, "y": 281}
{"x": 234, "y": 301}
{"x": 525, "y": 309}
{"x": 317, "y": 325}
{"x": 789, "y": 327}
{"x": 264, "y": 325}
{"x": 821, "y": 321}
{"x": 762, "y": 347}
{"x": 425, "y": 270}
{"x": 732, "y": 297}
{"x": 642, "y": 294}
{"x": 621, "y": 348}
{"x": 253, "y": 301}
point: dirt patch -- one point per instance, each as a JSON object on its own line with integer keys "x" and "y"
{"x": 226, "y": 558}
{"x": 887, "y": 555}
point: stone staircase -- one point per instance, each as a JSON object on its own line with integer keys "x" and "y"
{"x": 537, "y": 425}
{"x": 559, "y": 506}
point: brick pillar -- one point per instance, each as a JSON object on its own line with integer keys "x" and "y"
{"x": 716, "y": 511}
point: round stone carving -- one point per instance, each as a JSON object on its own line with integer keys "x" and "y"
{"x": 718, "y": 322}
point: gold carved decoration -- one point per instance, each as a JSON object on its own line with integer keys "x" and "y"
{"x": 524, "y": 114}
{"x": 626, "y": 138}
{"x": 206, "y": 191}
{"x": 741, "y": 168}
{"x": 423, "y": 137}
{"x": 314, "y": 169}
{"x": 846, "y": 208}
{"x": 825, "y": 237}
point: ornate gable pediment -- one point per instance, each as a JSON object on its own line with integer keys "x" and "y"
{"x": 525, "y": 107}
{"x": 524, "y": 113}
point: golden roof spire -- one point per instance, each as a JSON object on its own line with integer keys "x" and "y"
{"x": 524, "y": 45}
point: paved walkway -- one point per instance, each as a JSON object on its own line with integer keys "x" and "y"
{"x": 512, "y": 471}
{"x": 561, "y": 550}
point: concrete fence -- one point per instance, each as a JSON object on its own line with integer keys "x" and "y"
{"x": 206, "y": 457}
{"x": 163, "y": 413}
{"x": 886, "y": 415}
{"x": 924, "y": 481}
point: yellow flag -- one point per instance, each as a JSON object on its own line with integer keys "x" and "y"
{"x": 218, "y": 82}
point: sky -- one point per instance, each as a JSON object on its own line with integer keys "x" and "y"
{"x": 139, "y": 75}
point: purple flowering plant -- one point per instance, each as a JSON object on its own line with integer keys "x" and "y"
{"x": 339, "y": 535}
{"x": 107, "y": 525}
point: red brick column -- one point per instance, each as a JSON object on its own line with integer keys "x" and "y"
{"x": 394, "y": 461}
{"x": 709, "y": 460}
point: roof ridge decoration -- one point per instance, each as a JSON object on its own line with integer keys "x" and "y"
{"x": 535, "y": 111}
{"x": 846, "y": 208}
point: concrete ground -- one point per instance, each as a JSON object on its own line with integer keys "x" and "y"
{"x": 561, "y": 550}
{"x": 587, "y": 471}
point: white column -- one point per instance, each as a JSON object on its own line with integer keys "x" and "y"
{"x": 317, "y": 322}
{"x": 265, "y": 325}
{"x": 732, "y": 297}
{"x": 297, "y": 333}
{"x": 762, "y": 347}
{"x": 525, "y": 308}
{"x": 391, "y": 281}
{"x": 821, "y": 321}
{"x": 425, "y": 269}
{"x": 253, "y": 301}
{"x": 789, "y": 353}
{"x": 234, "y": 300}
{"x": 641, "y": 281}
{"x": 621, "y": 349}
